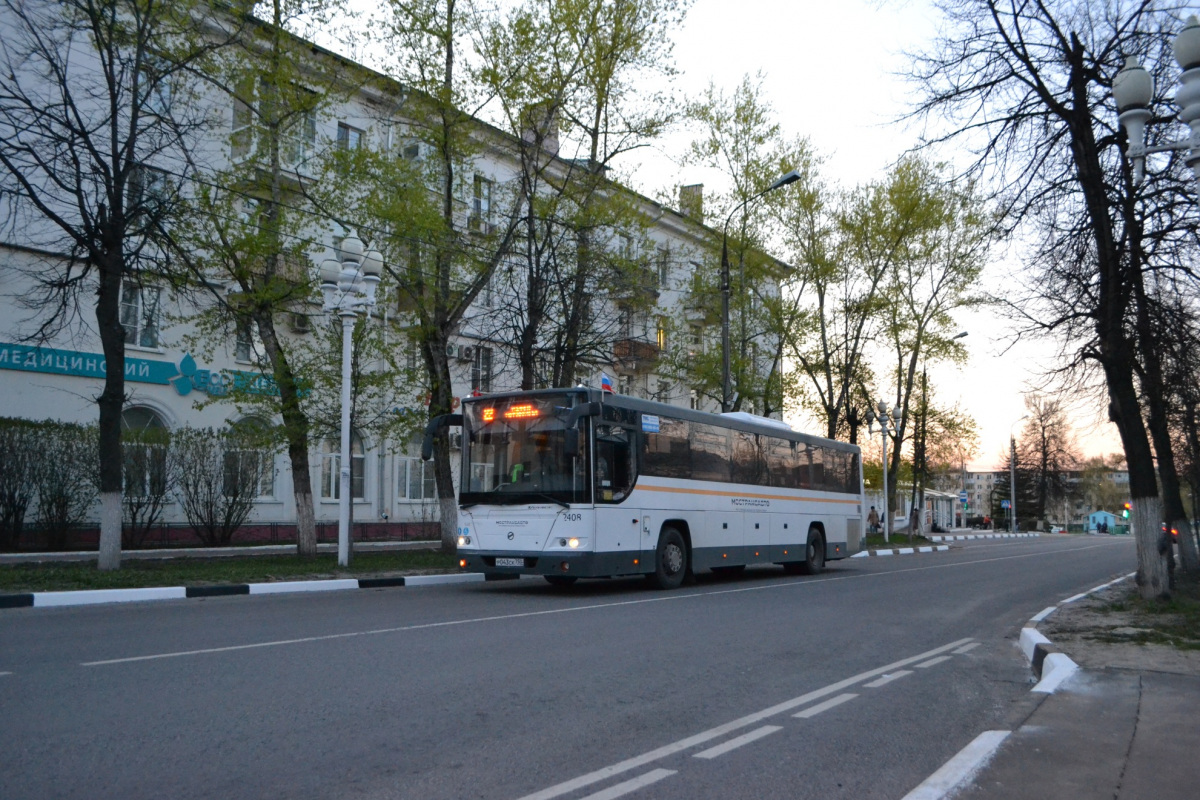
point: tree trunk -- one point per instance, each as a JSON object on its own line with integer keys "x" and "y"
{"x": 111, "y": 403}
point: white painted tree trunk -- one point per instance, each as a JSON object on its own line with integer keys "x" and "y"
{"x": 110, "y": 531}
{"x": 1152, "y": 578}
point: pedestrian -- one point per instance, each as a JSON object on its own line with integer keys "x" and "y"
{"x": 873, "y": 521}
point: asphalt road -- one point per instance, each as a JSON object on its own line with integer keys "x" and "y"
{"x": 857, "y": 683}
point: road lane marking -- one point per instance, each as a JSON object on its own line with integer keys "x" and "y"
{"x": 621, "y": 789}
{"x": 734, "y": 744}
{"x": 714, "y": 733}
{"x": 820, "y": 707}
{"x": 669, "y": 598}
{"x": 959, "y": 769}
{"x": 966, "y": 648}
{"x": 886, "y": 679}
{"x": 2, "y": 674}
{"x": 933, "y": 662}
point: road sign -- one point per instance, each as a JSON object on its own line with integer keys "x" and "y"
{"x": 963, "y": 495}
{"x": 1006, "y": 504}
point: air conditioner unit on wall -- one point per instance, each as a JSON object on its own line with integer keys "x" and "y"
{"x": 300, "y": 322}
{"x": 452, "y": 350}
{"x": 466, "y": 353}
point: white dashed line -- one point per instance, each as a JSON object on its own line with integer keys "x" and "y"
{"x": 932, "y": 662}
{"x": 621, "y": 789}
{"x": 886, "y": 679}
{"x": 651, "y": 756}
{"x": 828, "y": 704}
{"x": 2, "y": 674}
{"x": 966, "y": 648}
{"x": 733, "y": 744}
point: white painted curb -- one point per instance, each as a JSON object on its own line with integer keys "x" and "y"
{"x": 1056, "y": 668}
{"x": 433, "y": 580}
{"x": 1031, "y": 637}
{"x": 285, "y": 587}
{"x": 85, "y": 597}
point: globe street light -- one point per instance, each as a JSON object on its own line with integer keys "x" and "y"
{"x": 349, "y": 287}
{"x": 1133, "y": 91}
{"x": 882, "y": 417}
{"x": 726, "y": 389}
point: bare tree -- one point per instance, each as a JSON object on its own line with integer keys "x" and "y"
{"x": 19, "y": 453}
{"x": 92, "y": 100}
{"x": 1047, "y": 447}
{"x": 1028, "y": 87}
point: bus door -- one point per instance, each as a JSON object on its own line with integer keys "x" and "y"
{"x": 618, "y": 527}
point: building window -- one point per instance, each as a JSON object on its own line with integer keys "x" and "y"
{"x": 481, "y": 205}
{"x": 349, "y": 137}
{"x": 248, "y": 346}
{"x": 299, "y": 139}
{"x": 140, "y": 314}
{"x": 660, "y": 333}
{"x": 144, "y": 452}
{"x": 415, "y": 480}
{"x": 331, "y": 466}
{"x": 481, "y": 370}
{"x": 154, "y": 87}
{"x": 147, "y": 191}
{"x": 664, "y": 266}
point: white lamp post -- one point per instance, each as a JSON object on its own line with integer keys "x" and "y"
{"x": 349, "y": 288}
{"x": 726, "y": 389}
{"x": 882, "y": 417}
{"x": 1133, "y": 91}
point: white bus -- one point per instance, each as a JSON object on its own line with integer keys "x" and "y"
{"x": 575, "y": 483}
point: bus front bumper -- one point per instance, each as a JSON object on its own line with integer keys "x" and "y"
{"x": 576, "y": 565}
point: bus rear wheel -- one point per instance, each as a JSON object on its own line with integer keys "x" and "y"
{"x": 670, "y": 560}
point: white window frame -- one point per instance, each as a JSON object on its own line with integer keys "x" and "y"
{"x": 481, "y": 370}
{"x": 140, "y": 318}
{"x": 350, "y": 137}
{"x": 406, "y": 466}
{"x": 331, "y": 479}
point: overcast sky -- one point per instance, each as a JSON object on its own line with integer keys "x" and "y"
{"x": 830, "y": 73}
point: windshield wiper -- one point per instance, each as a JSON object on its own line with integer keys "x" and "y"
{"x": 552, "y": 499}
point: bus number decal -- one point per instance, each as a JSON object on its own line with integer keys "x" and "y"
{"x": 573, "y": 517}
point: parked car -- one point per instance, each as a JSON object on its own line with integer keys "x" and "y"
{"x": 1174, "y": 533}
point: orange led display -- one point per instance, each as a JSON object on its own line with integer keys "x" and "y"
{"x": 526, "y": 411}
{"x": 489, "y": 414}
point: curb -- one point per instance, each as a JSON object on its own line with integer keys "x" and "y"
{"x": 900, "y": 551}
{"x": 98, "y": 596}
{"x": 965, "y": 536}
{"x": 1050, "y": 664}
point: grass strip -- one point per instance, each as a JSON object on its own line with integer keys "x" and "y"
{"x": 136, "y": 574}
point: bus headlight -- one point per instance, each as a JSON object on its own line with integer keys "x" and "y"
{"x": 464, "y": 540}
{"x": 573, "y": 542}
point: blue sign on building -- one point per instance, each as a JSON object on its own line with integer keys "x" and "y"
{"x": 185, "y": 376}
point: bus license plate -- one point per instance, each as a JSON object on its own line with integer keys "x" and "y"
{"x": 510, "y": 562}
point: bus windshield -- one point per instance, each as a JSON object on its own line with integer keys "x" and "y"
{"x": 515, "y": 451}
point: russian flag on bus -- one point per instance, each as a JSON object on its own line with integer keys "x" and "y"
{"x": 605, "y": 383}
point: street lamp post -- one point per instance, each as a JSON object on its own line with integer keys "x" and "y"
{"x": 726, "y": 388}
{"x": 1133, "y": 91}
{"x": 349, "y": 287}
{"x": 882, "y": 417}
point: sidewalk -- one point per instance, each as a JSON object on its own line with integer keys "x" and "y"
{"x": 1123, "y": 726}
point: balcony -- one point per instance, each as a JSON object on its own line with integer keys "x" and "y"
{"x": 635, "y": 354}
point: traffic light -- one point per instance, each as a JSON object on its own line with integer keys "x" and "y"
{"x": 1128, "y": 508}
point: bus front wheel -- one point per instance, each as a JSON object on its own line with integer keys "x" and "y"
{"x": 814, "y": 556}
{"x": 670, "y": 560}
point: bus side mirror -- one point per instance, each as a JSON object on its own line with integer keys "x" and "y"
{"x": 435, "y": 426}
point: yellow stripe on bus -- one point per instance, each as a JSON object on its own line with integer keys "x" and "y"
{"x": 714, "y": 493}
